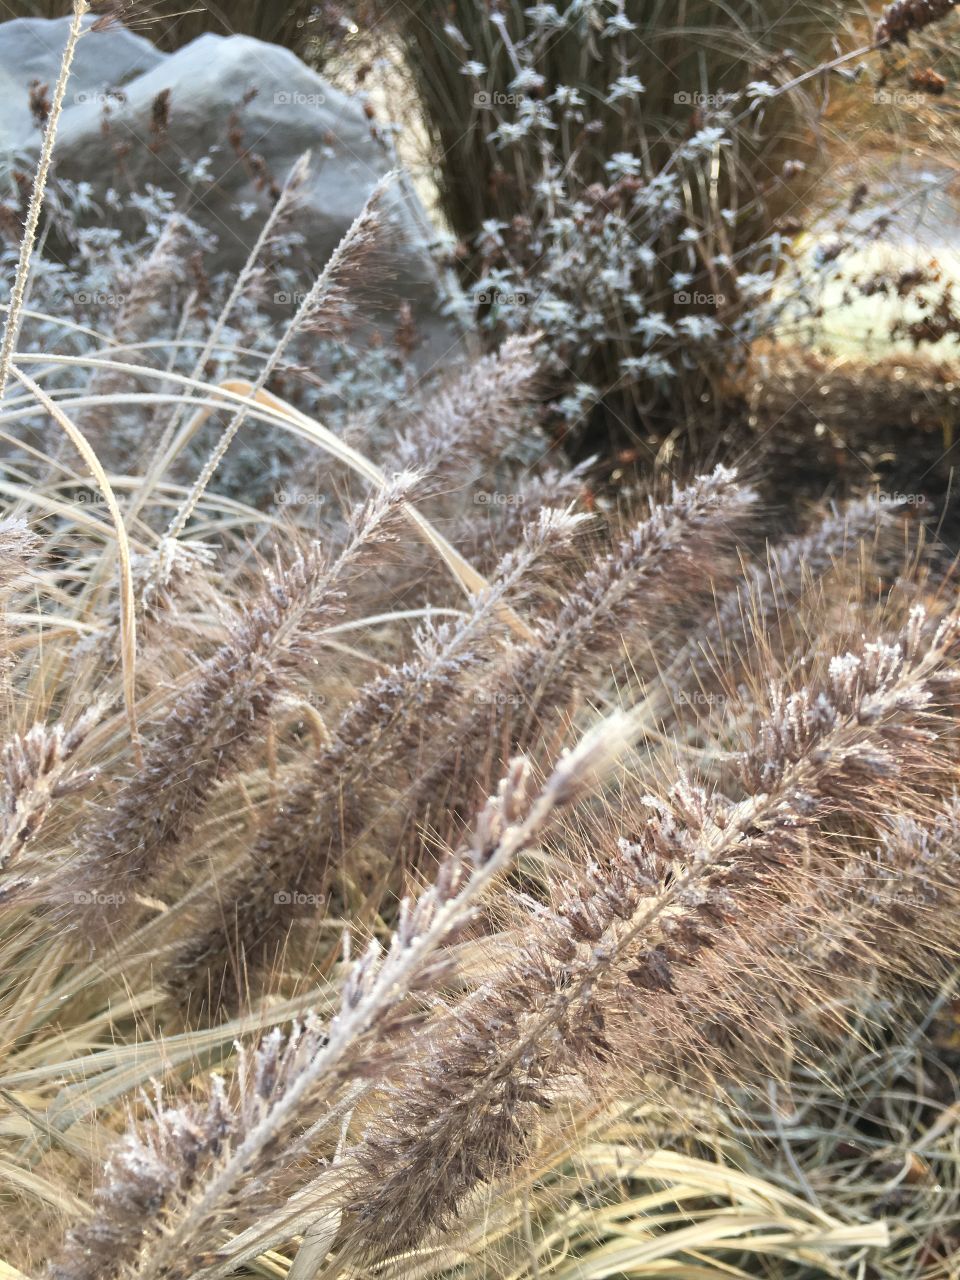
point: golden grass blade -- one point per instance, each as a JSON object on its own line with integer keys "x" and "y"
{"x": 315, "y": 1246}
{"x": 722, "y": 1180}
{"x": 128, "y": 624}
{"x": 38, "y": 1188}
{"x": 778, "y": 1238}
{"x": 10, "y": 1273}
{"x": 237, "y": 391}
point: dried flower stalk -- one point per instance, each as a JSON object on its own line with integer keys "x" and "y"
{"x": 655, "y": 564}
{"x": 215, "y": 720}
{"x": 211, "y": 1164}
{"x": 620, "y": 942}
{"x": 292, "y": 859}
{"x": 35, "y": 773}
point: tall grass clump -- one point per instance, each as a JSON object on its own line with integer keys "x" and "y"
{"x": 431, "y": 868}
{"x": 629, "y": 179}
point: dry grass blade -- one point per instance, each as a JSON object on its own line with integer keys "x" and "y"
{"x": 18, "y": 291}
{"x": 325, "y": 294}
{"x": 128, "y": 623}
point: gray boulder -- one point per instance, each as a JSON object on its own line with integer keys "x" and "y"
{"x": 32, "y": 49}
{"x": 252, "y": 109}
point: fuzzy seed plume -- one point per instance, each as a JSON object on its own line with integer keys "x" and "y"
{"x": 37, "y": 771}
{"x": 623, "y": 590}
{"x": 180, "y": 1170}
{"x": 475, "y": 415}
{"x": 619, "y": 971}
{"x": 17, "y": 544}
{"x": 323, "y": 811}
{"x": 213, "y": 722}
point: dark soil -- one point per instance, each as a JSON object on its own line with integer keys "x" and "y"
{"x": 817, "y": 431}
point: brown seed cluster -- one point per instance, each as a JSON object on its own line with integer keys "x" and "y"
{"x": 906, "y": 16}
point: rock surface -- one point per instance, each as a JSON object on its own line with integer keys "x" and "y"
{"x": 31, "y": 49}
{"x": 252, "y": 109}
